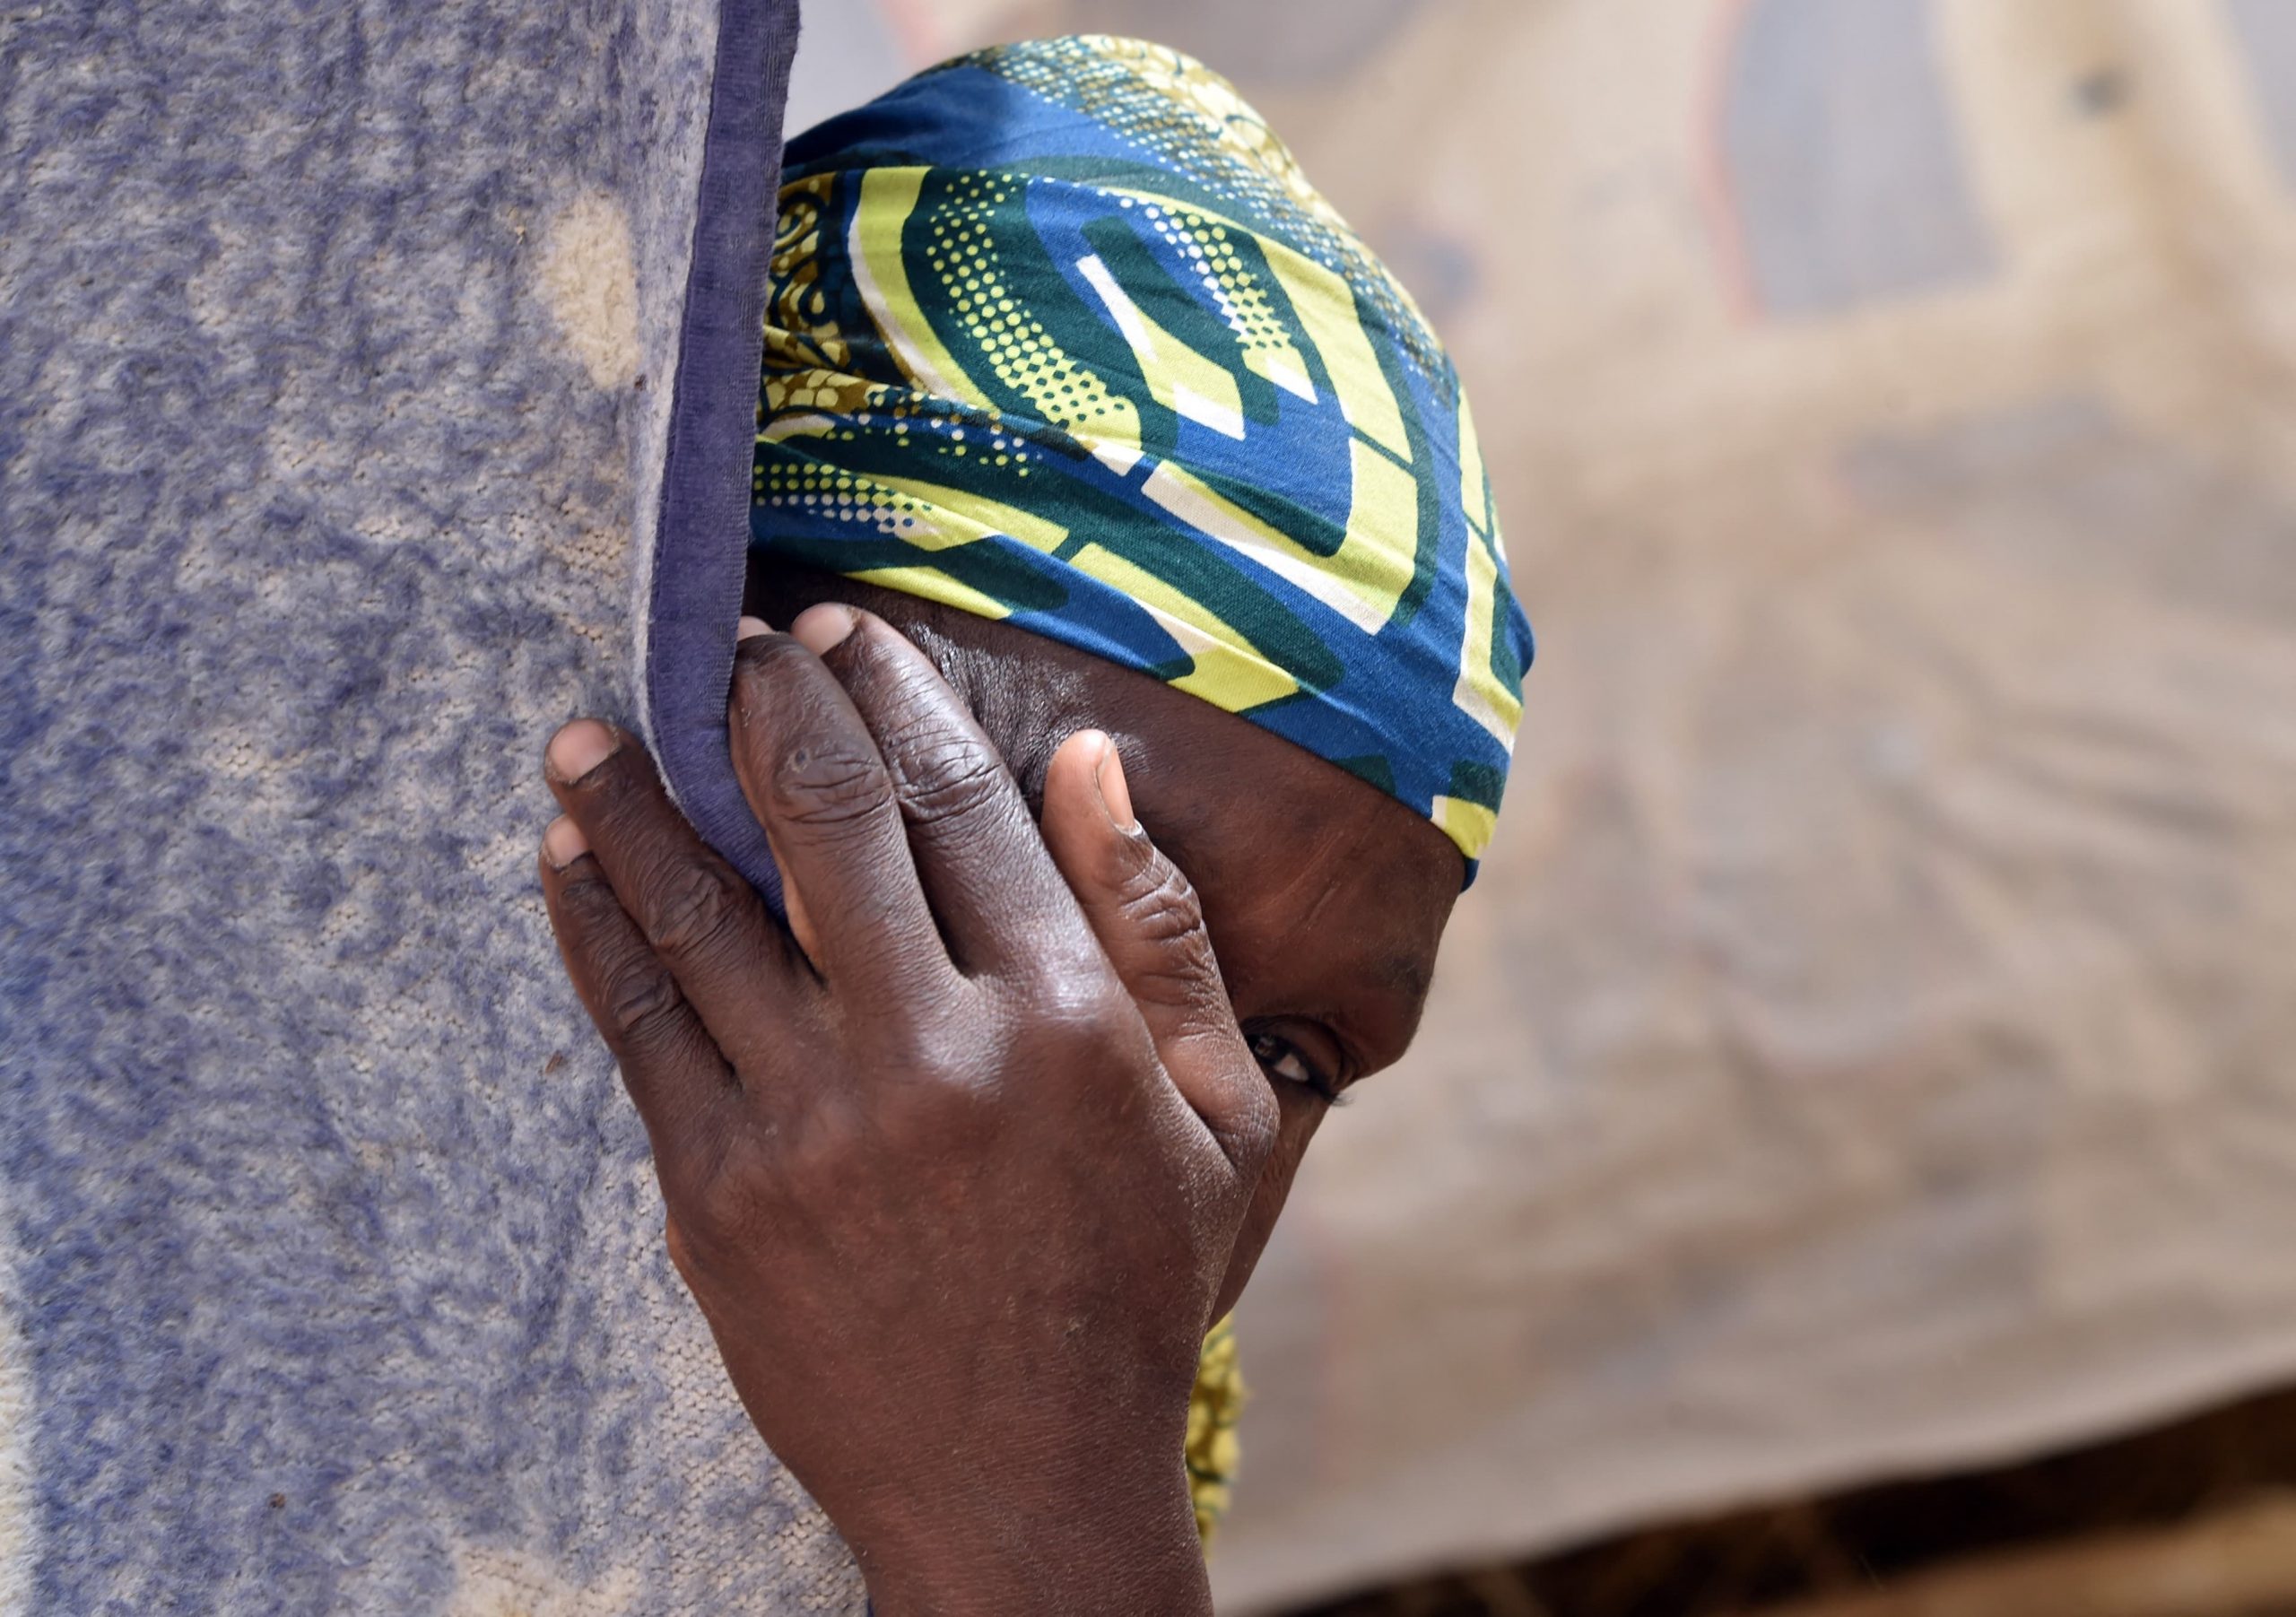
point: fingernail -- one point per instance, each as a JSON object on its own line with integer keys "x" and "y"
{"x": 819, "y": 628}
{"x": 748, "y": 629}
{"x": 579, "y": 748}
{"x": 564, "y": 843}
{"x": 1116, "y": 797}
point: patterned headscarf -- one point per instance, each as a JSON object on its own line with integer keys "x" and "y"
{"x": 1058, "y": 332}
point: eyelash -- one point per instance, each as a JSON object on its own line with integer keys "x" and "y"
{"x": 1270, "y": 1048}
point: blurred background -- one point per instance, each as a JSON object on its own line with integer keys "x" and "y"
{"x": 1849, "y": 1166}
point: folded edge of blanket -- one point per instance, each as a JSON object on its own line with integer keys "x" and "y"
{"x": 691, "y": 567}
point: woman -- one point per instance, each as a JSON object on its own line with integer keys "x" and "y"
{"x": 1124, "y": 521}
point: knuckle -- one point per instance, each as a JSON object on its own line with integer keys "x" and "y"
{"x": 1090, "y": 1015}
{"x": 585, "y": 896}
{"x": 693, "y": 911}
{"x": 918, "y": 1052}
{"x": 641, "y": 1001}
{"x": 822, "y": 1158}
{"x": 1175, "y": 964}
{"x": 1160, "y": 904}
{"x": 943, "y": 1066}
{"x": 721, "y": 1206}
{"x": 827, "y": 786}
{"x": 946, "y": 777}
{"x": 1084, "y": 1024}
{"x": 931, "y": 1121}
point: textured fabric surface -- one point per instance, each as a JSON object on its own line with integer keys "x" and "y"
{"x": 1214, "y": 1405}
{"x": 338, "y": 372}
{"x": 1060, "y": 335}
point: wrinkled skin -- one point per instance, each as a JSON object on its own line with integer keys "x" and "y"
{"x": 960, "y": 1165}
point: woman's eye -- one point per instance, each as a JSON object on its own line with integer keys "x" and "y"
{"x": 1280, "y": 1058}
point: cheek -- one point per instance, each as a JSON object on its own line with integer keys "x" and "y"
{"x": 1302, "y": 1115}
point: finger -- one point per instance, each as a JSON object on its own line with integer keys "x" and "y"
{"x": 980, "y": 859}
{"x": 792, "y": 902}
{"x": 1149, "y": 921}
{"x": 675, "y": 1072}
{"x": 695, "y": 913}
{"x": 816, "y": 782}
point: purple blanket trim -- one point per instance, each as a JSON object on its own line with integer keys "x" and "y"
{"x": 701, "y": 544}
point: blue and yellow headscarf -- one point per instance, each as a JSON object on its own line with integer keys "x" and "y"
{"x": 1058, "y": 332}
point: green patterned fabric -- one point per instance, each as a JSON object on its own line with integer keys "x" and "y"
{"x": 1058, "y": 333}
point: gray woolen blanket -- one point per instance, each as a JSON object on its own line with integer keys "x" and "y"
{"x": 376, "y": 392}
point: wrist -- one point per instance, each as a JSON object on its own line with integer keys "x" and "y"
{"x": 1118, "y": 1549}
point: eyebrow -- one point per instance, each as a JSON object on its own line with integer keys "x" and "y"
{"x": 1406, "y": 974}
{"x": 1403, "y": 972}
{"x": 1403, "y": 981}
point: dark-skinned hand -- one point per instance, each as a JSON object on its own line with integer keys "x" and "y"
{"x": 955, "y": 1163}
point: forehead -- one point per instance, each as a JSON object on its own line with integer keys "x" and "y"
{"x": 1325, "y": 896}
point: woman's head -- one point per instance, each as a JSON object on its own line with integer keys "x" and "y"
{"x": 1058, "y": 335}
{"x": 1071, "y": 375}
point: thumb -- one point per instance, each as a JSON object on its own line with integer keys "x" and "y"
{"x": 1150, "y": 925}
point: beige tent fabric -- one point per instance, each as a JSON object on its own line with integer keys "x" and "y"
{"x": 1869, "y": 1047}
